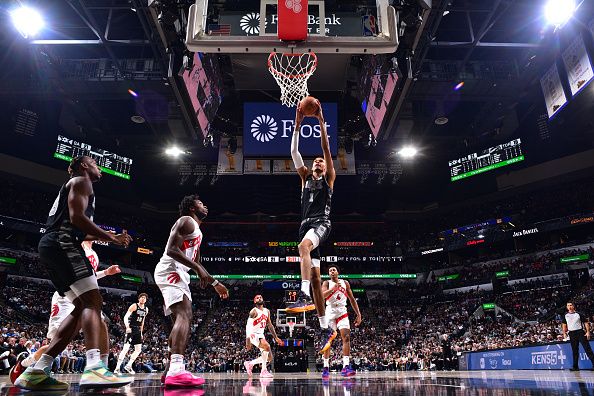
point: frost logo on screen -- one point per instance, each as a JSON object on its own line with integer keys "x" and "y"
{"x": 264, "y": 128}
{"x": 250, "y": 23}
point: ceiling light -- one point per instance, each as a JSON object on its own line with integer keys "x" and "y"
{"x": 138, "y": 119}
{"x": 558, "y": 12}
{"x": 133, "y": 93}
{"x": 442, "y": 120}
{"x": 408, "y": 152}
{"x": 27, "y": 21}
{"x": 174, "y": 151}
{"x": 459, "y": 86}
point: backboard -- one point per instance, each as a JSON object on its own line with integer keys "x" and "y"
{"x": 282, "y": 318}
{"x": 366, "y": 29}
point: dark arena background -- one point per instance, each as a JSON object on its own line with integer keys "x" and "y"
{"x": 462, "y": 214}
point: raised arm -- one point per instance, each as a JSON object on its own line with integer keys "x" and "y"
{"x": 185, "y": 227}
{"x": 354, "y": 303}
{"x": 330, "y": 172}
{"x": 297, "y": 159}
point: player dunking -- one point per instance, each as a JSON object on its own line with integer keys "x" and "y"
{"x": 258, "y": 320}
{"x": 61, "y": 307}
{"x": 134, "y": 321}
{"x": 316, "y": 197}
{"x": 70, "y": 221}
{"x": 182, "y": 254}
{"x": 336, "y": 292}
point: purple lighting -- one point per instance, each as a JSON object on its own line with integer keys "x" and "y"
{"x": 459, "y": 86}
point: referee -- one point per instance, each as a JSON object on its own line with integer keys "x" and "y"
{"x": 575, "y": 323}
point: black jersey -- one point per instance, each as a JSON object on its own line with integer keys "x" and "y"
{"x": 316, "y": 198}
{"x": 58, "y": 220}
{"x": 138, "y": 316}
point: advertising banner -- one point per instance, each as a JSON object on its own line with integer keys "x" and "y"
{"x": 268, "y": 129}
{"x": 230, "y": 163}
{"x": 548, "y": 357}
{"x": 247, "y": 23}
{"x": 553, "y": 91}
{"x": 578, "y": 66}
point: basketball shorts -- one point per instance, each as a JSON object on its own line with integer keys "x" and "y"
{"x": 255, "y": 339}
{"x": 174, "y": 285}
{"x": 133, "y": 338}
{"x": 68, "y": 267}
{"x": 61, "y": 308}
{"x": 317, "y": 231}
{"x": 338, "y": 318}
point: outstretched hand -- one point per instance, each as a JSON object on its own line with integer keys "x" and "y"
{"x": 112, "y": 270}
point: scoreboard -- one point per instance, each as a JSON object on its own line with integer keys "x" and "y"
{"x": 109, "y": 163}
{"x": 489, "y": 159}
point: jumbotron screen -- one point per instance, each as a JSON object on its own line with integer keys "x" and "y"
{"x": 487, "y": 160}
{"x": 110, "y": 163}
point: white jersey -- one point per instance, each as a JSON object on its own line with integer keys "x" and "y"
{"x": 258, "y": 324}
{"x": 93, "y": 258}
{"x": 339, "y": 297}
{"x": 190, "y": 247}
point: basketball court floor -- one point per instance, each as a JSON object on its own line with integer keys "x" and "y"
{"x": 373, "y": 383}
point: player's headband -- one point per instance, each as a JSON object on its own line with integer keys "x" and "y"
{"x": 256, "y": 296}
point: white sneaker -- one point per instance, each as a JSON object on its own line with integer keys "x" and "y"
{"x": 129, "y": 370}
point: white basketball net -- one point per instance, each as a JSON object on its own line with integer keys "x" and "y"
{"x": 291, "y": 72}
{"x": 291, "y": 328}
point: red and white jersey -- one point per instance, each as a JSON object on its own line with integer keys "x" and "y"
{"x": 338, "y": 298}
{"x": 258, "y": 324}
{"x": 61, "y": 306}
{"x": 190, "y": 247}
{"x": 92, "y": 256}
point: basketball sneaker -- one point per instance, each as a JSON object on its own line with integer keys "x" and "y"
{"x": 100, "y": 378}
{"x": 265, "y": 374}
{"x": 303, "y": 303}
{"x": 17, "y": 369}
{"x": 39, "y": 380}
{"x": 347, "y": 371}
{"x": 330, "y": 336}
{"x": 248, "y": 368}
{"x": 183, "y": 379}
{"x": 326, "y": 373}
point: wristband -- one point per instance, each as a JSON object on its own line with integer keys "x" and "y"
{"x": 216, "y": 282}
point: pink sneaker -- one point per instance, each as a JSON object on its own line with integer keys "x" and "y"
{"x": 248, "y": 368}
{"x": 183, "y": 379}
{"x": 265, "y": 374}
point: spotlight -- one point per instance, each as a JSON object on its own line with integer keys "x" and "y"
{"x": 408, "y": 152}
{"x": 133, "y": 93}
{"x": 27, "y": 21}
{"x": 459, "y": 86}
{"x": 174, "y": 151}
{"x": 558, "y": 12}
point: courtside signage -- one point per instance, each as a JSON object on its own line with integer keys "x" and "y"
{"x": 268, "y": 128}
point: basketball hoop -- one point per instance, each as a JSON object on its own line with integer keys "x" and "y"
{"x": 291, "y": 328}
{"x": 291, "y": 72}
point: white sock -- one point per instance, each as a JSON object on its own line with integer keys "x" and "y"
{"x": 122, "y": 355}
{"x": 326, "y": 362}
{"x": 135, "y": 354}
{"x": 305, "y": 287}
{"x": 264, "y": 360}
{"x": 93, "y": 358}
{"x": 105, "y": 359}
{"x": 176, "y": 364}
{"x": 323, "y": 321}
{"x": 29, "y": 360}
{"x": 44, "y": 362}
{"x": 345, "y": 361}
{"x": 256, "y": 361}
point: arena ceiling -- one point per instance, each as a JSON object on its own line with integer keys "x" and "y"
{"x": 498, "y": 48}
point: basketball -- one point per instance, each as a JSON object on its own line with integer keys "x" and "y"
{"x": 308, "y": 106}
